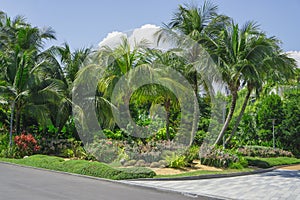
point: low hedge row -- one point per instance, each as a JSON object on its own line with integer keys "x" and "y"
{"x": 83, "y": 167}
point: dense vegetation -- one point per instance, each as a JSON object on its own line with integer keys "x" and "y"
{"x": 262, "y": 94}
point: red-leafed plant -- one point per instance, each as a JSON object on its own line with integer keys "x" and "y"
{"x": 26, "y": 144}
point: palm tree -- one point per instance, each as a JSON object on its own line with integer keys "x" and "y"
{"x": 275, "y": 67}
{"x": 66, "y": 64}
{"x": 243, "y": 55}
{"x": 23, "y": 65}
{"x": 117, "y": 62}
{"x": 196, "y": 24}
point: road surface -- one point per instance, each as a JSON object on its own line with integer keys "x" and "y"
{"x": 33, "y": 184}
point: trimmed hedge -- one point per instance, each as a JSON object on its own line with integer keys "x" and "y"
{"x": 83, "y": 167}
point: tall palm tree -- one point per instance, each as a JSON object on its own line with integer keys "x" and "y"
{"x": 118, "y": 62}
{"x": 243, "y": 55}
{"x": 275, "y": 67}
{"x": 23, "y": 65}
{"x": 195, "y": 24}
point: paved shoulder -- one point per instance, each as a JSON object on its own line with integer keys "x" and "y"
{"x": 277, "y": 184}
{"x": 25, "y": 183}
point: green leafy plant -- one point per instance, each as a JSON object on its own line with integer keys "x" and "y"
{"x": 176, "y": 161}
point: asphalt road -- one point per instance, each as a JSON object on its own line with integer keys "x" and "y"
{"x": 26, "y": 183}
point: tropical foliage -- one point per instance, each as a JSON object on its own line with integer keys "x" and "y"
{"x": 260, "y": 82}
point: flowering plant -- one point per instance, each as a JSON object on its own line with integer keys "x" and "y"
{"x": 26, "y": 144}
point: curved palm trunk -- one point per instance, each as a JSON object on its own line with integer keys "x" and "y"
{"x": 195, "y": 113}
{"x": 239, "y": 117}
{"x": 228, "y": 119}
{"x": 195, "y": 121}
{"x": 11, "y": 122}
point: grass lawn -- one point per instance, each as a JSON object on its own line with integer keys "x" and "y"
{"x": 102, "y": 170}
{"x": 83, "y": 167}
{"x": 271, "y": 162}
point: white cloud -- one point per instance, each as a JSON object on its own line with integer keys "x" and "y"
{"x": 145, "y": 33}
{"x": 112, "y": 39}
{"x": 295, "y": 55}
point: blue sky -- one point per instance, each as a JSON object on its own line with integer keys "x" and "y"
{"x": 85, "y": 23}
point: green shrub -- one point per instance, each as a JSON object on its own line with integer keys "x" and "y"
{"x": 176, "y": 161}
{"x": 161, "y": 134}
{"x": 192, "y": 154}
{"x": 199, "y": 137}
{"x": 4, "y": 145}
{"x": 219, "y": 158}
{"x": 84, "y": 167}
{"x": 236, "y": 166}
{"x": 104, "y": 150}
{"x": 265, "y": 152}
{"x": 117, "y": 135}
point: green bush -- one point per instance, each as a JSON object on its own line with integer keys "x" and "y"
{"x": 4, "y": 144}
{"x": 118, "y": 135}
{"x": 240, "y": 164}
{"x": 219, "y": 158}
{"x": 176, "y": 161}
{"x": 192, "y": 153}
{"x": 265, "y": 152}
{"x": 67, "y": 148}
{"x": 84, "y": 167}
{"x": 104, "y": 150}
{"x": 161, "y": 134}
{"x": 199, "y": 137}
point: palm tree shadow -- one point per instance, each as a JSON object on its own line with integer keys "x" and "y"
{"x": 294, "y": 174}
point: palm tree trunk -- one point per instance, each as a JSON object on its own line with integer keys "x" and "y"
{"x": 18, "y": 117}
{"x": 167, "y": 107}
{"x": 195, "y": 121}
{"x": 240, "y": 116}
{"x": 195, "y": 114}
{"x": 11, "y": 122}
{"x": 228, "y": 119}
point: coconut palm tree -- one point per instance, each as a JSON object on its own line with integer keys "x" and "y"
{"x": 243, "y": 55}
{"x": 191, "y": 26}
{"x": 23, "y": 65}
{"x": 67, "y": 64}
{"x": 117, "y": 62}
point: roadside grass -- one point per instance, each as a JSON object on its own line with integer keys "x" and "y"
{"x": 271, "y": 162}
{"x": 204, "y": 172}
{"x": 83, "y": 167}
{"x": 103, "y": 170}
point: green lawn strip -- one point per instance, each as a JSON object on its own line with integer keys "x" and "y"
{"x": 271, "y": 162}
{"x": 83, "y": 167}
{"x": 204, "y": 172}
